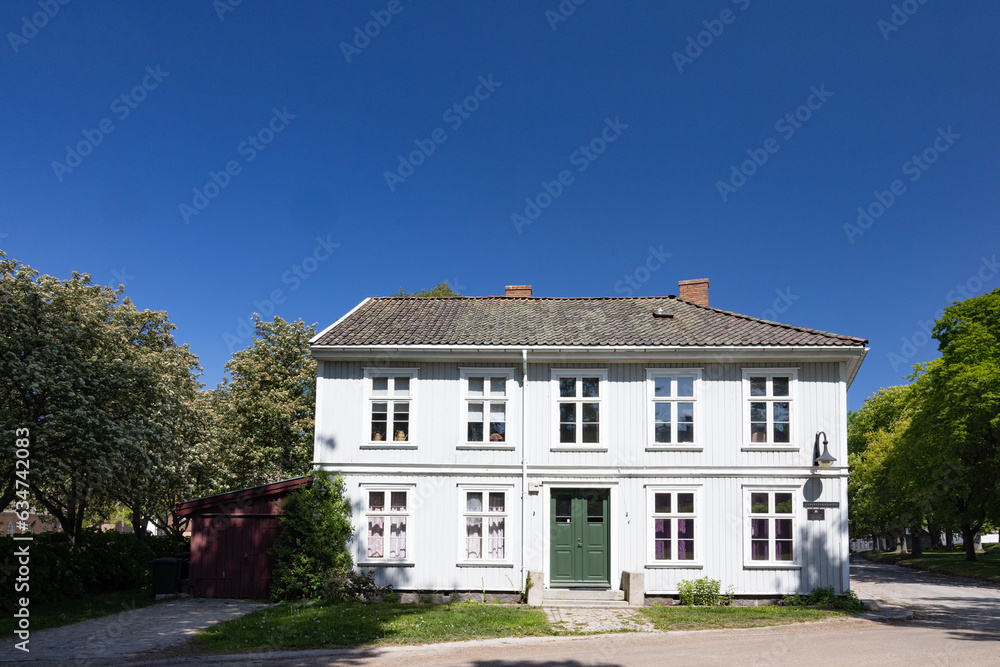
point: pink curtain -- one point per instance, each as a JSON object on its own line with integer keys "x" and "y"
{"x": 397, "y": 537}
{"x": 375, "y": 537}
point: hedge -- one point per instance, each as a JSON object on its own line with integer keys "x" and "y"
{"x": 104, "y": 563}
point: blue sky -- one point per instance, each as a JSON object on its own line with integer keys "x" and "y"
{"x": 212, "y": 157}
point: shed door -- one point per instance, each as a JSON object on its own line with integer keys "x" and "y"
{"x": 579, "y": 538}
{"x": 232, "y": 559}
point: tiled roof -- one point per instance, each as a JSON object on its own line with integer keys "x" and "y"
{"x": 604, "y": 321}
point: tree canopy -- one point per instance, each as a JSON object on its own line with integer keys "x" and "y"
{"x": 441, "y": 289}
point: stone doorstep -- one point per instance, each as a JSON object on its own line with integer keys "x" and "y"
{"x": 585, "y": 604}
{"x": 582, "y": 594}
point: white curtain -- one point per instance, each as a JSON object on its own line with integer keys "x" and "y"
{"x": 473, "y": 537}
{"x": 496, "y": 538}
{"x": 397, "y": 538}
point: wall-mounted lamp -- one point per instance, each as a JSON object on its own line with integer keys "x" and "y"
{"x": 824, "y": 460}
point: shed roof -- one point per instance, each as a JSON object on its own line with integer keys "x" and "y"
{"x": 187, "y": 507}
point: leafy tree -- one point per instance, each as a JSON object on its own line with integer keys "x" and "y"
{"x": 84, "y": 370}
{"x": 441, "y": 289}
{"x": 954, "y": 436}
{"x": 266, "y": 408}
{"x": 878, "y": 470}
{"x": 310, "y": 549}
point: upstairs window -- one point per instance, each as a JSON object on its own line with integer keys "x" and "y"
{"x": 485, "y": 396}
{"x": 672, "y": 398}
{"x": 390, "y": 399}
{"x": 578, "y": 407}
{"x": 769, "y": 406}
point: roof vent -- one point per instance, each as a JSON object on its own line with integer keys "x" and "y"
{"x": 660, "y": 312}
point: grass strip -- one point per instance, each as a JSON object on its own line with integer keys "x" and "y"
{"x": 667, "y": 618}
{"x": 315, "y": 625}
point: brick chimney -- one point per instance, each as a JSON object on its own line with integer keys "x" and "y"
{"x": 695, "y": 291}
{"x": 518, "y": 290}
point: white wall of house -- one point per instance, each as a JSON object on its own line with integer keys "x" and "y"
{"x": 436, "y": 464}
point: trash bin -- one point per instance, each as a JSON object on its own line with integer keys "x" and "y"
{"x": 166, "y": 576}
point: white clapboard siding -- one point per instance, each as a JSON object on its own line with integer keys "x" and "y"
{"x": 438, "y": 467}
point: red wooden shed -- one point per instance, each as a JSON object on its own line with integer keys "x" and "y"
{"x": 231, "y": 534}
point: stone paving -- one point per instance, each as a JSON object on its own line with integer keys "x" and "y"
{"x": 112, "y": 639}
{"x": 597, "y": 619}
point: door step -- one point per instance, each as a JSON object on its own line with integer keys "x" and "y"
{"x": 576, "y": 597}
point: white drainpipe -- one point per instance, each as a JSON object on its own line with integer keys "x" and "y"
{"x": 524, "y": 463}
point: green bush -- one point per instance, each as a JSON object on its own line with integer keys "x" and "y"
{"x": 826, "y": 598}
{"x": 104, "y": 563}
{"x": 312, "y": 560}
{"x": 703, "y": 592}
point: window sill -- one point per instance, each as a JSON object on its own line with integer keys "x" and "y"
{"x": 506, "y": 447}
{"x": 387, "y": 445}
{"x": 674, "y": 448}
{"x": 578, "y": 448}
{"x": 769, "y": 448}
{"x": 386, "y": 563}
{"x": 677, "y": 565}
{"x": 771, "y": 566}
{"x": 483, "y": 563}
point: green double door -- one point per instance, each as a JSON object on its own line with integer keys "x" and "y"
{"x": 579, "y": 533}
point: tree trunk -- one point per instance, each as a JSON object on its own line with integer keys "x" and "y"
{"x": 918, "y": 548}
{"x": 139, "y": 521}
{"x": 969, "y": 540}
{"x": 949, "y": 539}
{"x": 900, "y": 537}
{"x": 935, "y": 533}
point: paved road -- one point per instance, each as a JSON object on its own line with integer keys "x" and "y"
{"x": 956, "y": 623}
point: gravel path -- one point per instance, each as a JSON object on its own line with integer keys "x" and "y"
{"x": 116, "y": 638}
{"x": 595, "y": 619}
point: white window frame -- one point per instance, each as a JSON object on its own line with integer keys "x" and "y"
{"x": 771, "y": 515}
{"x": 793, "y": 409}
{"x": 602, "y": 417}
{"x": 366, "y": 489}
{"x": 653, "y": 374}
{"x": 463, "y": 556}
{"x": 463, "y": 437}
{"x": 698, "y": 516}
{"x": 390, "y": 400}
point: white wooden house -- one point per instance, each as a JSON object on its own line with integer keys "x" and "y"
{"x": 481, "y": 438}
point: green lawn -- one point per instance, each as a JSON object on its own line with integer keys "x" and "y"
{"x": 666, "y": 619}
{"x": 72, "y": 611}
{"x": 986, "y": 567}
{"x": 312, "y": 625}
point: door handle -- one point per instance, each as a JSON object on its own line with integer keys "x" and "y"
{"x": 579, "y": 543}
